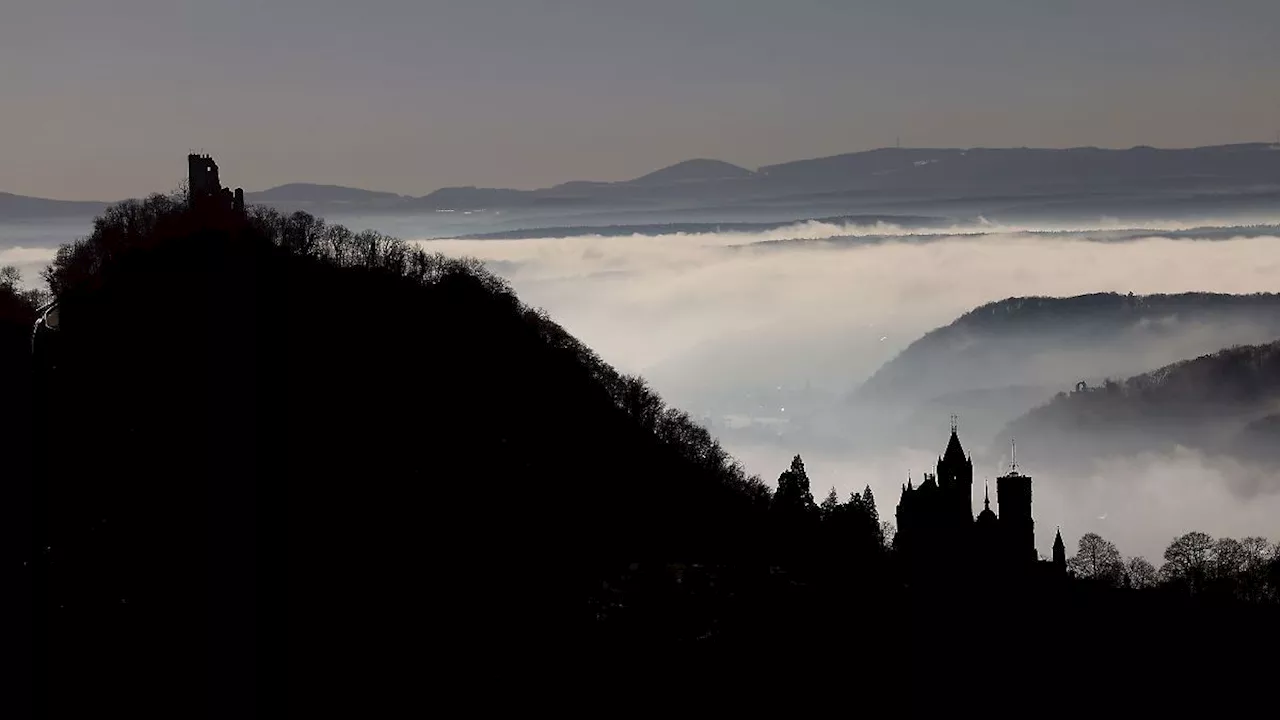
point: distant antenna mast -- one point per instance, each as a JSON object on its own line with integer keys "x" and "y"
{"x": 1013, "y": 463}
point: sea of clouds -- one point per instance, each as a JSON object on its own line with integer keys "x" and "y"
{"x": 823, "y": 305}
{"x": 749, "y": 310}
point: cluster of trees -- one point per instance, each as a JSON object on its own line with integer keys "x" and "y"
{"x": 287, "y": 392}
{"x": 135, "y": 225}
{"x": 1220, "y": 404}
{"x": 14, "y": 295}
{"x": 18, "y": 306}
{"x": 1246, "y": 569}
{"x": 801, "y": 528}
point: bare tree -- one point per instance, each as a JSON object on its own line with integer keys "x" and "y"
{"x": 1258, "y": 550}
{"x": 10, "y": 278}
{"x": 1252, "y": 582}
{"x": 1139, "y": 573}
{"x": 1097, "y": 559}
{"x": 1187, "y": 559}
{"x": 1229, "y": 558}
{"x": 887, "y": 533}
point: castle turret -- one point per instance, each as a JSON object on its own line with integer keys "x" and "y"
{"x": 955, "y": 476}
{"x": 986, "y": 517}
{"x": 203, "y": 185}
{"x": 204, "y": 188}
{"x": 1018, "y": 529}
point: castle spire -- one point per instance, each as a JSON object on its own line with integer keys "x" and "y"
{"x": 986, "y": 495}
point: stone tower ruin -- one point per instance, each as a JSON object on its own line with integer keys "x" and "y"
{"x": 204, "y": 187}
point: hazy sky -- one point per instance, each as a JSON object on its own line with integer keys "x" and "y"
{"x": 103, "y": 97}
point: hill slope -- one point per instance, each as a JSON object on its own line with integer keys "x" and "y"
{"x": 312, "y": 193}
{"x": 21, "y": 207}
{"x": 697, "y": 170}
{"x": 1221, "y": 403}
{"x": 277, "y": 423}
{"x": 992, "y": 363}
{"x": 1022, "y": 170}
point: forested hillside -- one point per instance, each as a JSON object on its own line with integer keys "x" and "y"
{"x": 1222, "y": 403}
{"x": 274, "y": 418}
{"x": 1004, "y": 358}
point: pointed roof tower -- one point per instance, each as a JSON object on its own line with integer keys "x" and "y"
{"x": 986, "y": 516}
{"x": 955, "y": 451}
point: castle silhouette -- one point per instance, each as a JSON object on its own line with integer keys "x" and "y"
{"x": 937, "y": 529}
{"x": 204, "y": 187}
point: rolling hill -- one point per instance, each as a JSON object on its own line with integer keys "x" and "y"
{"x": 1223, "y": 403}
{"x": 21, "y": 207}
{"x": 312, "y": 193}
{"x": 278, "y": 422}
{"x": 1001, "y": 359}
{"x": 693, "y": 171}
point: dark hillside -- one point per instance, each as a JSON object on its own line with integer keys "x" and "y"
{"x": 274, "y": 439}
{"x": 18, "y": 309}
{"x": 285, "y": 469}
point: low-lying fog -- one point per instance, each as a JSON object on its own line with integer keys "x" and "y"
{"x": 749, "y": 330}
{"x": 734, "y": 327}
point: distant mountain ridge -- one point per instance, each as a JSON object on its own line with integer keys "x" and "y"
{"x": 1035, "y": 174}
{"x": 310, "y": 192}
{"x": 21, "y": 207}
{"x": 919, "y": 172}
{"x": 697, "y": 170}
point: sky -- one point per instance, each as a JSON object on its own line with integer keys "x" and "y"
{"x": 103, "y": 97}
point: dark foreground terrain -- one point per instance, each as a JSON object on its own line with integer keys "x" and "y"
{"x": 281, "y": 469}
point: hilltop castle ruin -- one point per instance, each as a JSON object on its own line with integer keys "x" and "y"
{"x": 204, "y": 188}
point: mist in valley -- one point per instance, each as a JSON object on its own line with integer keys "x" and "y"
{"x": 766, "y": 336}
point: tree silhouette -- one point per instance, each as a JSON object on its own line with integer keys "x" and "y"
{"x": 1097, "y": 559}
{"x": 1253, "y": 581}
{"x": 13, "y": 292}
{"x": 830, "y": 505}
{"x": 1229, "y": 558}
{"x": 1139, "y": 573}
{"x": 869, "y": 506}
{"x": 1187, "y": 560}
{"x": 793, "y": 495}
{"x": 887, "y": 534}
